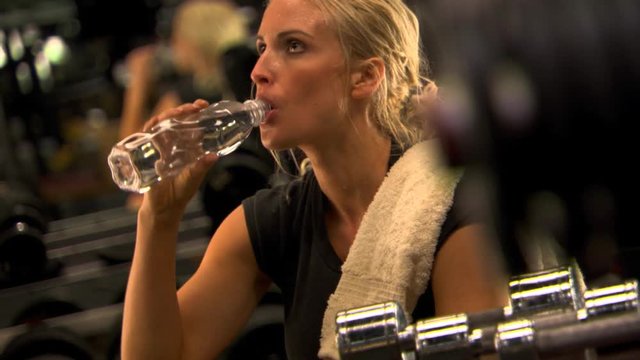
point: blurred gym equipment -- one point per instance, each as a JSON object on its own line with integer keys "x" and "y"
{"x": 86, "y": 296}
{"x": 23, "y": 219}
{"x": 541, "y": 98}
{"x": 23, "y": 257}
{"x": 48, "y": 343}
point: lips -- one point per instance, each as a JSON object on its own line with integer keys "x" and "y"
{"x": 268, "y": 118}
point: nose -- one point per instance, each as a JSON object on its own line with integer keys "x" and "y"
{"x": 261, "y": 73}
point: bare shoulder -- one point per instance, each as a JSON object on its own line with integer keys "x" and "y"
{"x": 469, "y": 272}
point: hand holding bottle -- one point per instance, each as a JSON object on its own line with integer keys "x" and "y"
{"x": 166, "y": 146}
{"x": 170, "y": 196}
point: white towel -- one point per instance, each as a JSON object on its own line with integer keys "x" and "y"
{"x": 392, "y": 254}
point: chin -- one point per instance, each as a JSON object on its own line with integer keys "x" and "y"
{"x": 274, "y": 143}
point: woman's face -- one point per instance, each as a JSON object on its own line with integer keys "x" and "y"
{"x": 300, "y": 72}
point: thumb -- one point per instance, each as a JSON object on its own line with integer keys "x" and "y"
{"x": 200, "y": 168}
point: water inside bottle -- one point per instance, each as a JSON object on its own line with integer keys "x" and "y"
{"x": 142, "y": 159}
{"x": 225, "y": 132}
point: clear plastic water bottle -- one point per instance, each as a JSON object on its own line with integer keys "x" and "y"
{"x": 143, "y": 159}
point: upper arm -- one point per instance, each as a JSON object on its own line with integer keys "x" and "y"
{"x": 221, "y": 295}
{"x": 469, "y": 273}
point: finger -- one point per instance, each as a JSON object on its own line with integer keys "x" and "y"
{"x": 200, "y": 103}
{"x": 204, "y": 163}
{"x": 183, "y": 109}
{"x": 199, "y": 169}
{"x": 151, "y": 123}
{"x": 177, "y": 112}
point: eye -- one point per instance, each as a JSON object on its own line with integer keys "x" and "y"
{"x": 260, "y": 47}
{"x": 295, "y": 46}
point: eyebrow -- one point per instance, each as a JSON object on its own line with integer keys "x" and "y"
{"x": 286, "y": 33}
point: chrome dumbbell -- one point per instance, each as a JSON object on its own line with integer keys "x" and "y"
{"x": 515, "y": 339}
{"x": 556, "y": 289}
{"x": 538, "y": 301}
{"x": 373, "y": 332}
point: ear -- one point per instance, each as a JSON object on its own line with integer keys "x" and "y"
{"x": 366, "y": 77}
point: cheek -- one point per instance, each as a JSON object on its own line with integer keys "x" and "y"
{"x": 320, "y": 94}
{"x": 322, "y": 114}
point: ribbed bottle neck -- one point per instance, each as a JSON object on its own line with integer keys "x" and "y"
{"x": 257, "y": 110}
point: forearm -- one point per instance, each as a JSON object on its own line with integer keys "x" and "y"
{"x": 151, "y": 324}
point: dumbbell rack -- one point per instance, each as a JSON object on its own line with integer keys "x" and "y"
{"x": 550, "y": 313}
{"x": 94, "y": 252}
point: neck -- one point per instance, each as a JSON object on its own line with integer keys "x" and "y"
{"x": 350, "y": 170}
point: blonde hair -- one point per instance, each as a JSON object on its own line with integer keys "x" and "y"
{"x": 387, "y": 29}
{"x": 212, "y": 26}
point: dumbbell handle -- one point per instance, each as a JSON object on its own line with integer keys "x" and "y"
{"x": 502, "y": 331}
{"x": 610, "y": 330}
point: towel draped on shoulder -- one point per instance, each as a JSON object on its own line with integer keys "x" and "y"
{"x": 393, "y": 251}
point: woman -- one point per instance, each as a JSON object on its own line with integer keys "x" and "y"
{"x": 339, "y": 77}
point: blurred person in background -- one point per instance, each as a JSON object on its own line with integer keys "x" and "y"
{"x": 376, "y": 216}
{"x": 207, "y": 57}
